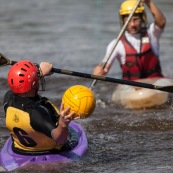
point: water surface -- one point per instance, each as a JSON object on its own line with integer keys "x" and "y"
{"x": 73, "y": 35}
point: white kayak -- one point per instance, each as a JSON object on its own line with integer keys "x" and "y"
{"x": 136, "y": 98}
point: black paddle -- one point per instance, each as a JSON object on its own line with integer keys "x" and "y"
{"x": 5, "y": 61}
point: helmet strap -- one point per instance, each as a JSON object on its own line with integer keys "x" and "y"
{"x": 43, "y": 83}
{"x": 42, "y": 79}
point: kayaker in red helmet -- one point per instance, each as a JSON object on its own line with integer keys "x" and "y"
{"x": 35, "y": 124}
{"x": 138, "y": 49}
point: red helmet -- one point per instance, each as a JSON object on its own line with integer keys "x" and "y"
{"x": 23, "y": 77}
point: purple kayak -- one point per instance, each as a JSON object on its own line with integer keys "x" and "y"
{"x": 11, "y": 161}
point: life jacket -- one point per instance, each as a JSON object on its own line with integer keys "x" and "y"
{"x": 25, "y": 138}
{"x": 140, "y": 65}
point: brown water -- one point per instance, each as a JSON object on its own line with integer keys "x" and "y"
{"x": 73, "y": 35}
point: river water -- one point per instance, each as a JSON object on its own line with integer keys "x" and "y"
{"x": 73, "y": 35}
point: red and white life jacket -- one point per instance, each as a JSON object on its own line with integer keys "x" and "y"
{"x": 140, "y": 65}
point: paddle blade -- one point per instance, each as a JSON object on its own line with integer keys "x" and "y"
{"x": 5, "y": 61}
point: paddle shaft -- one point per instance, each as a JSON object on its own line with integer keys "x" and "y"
{"x": 113, "y": 80}
{"x": 107, "y": 56}
{"x": 5, "y": 61}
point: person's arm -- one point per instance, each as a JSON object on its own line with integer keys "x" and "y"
{"x": 159, "y": 18}
{"x": 60, "y": 133}
{"x": 41, "y": 122}
{"x": 98, "y": 70}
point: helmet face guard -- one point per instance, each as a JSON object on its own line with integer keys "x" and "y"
{"x": 128, "y": 6}
{"x": 24, "y": 77}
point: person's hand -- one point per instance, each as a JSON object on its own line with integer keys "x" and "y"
{"x": 65, "y": 116}
{"x": 45, "y": 68}
{"x": 99, "y": 70}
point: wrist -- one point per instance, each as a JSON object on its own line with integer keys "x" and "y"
{"x": 62, "y": 124}
{"x": 148, "y": 3}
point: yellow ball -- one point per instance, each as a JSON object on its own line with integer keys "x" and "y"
{"x": 80, "y": 99}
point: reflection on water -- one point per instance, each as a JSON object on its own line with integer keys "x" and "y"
{"x": 73, "y": 35}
